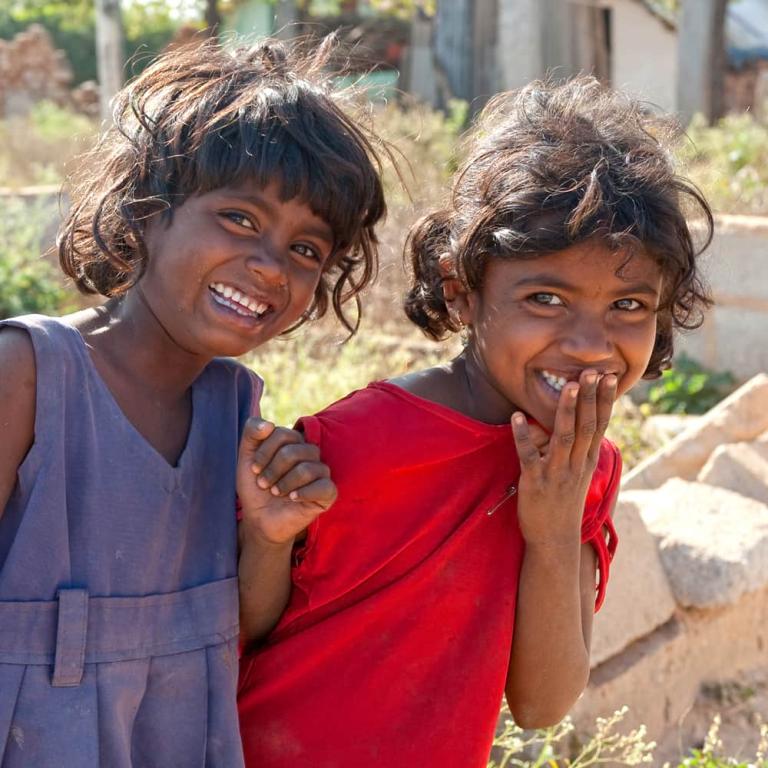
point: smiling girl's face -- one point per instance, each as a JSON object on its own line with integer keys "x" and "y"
{"x": 234, "y": 268}
{"x": 537, "y": 323}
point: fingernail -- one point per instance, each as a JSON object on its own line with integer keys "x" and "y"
{"x": 262, "y": 482}
{"x": 255, "y": 468}
{"x": 591, "y": 378}
{"x": 293, "y": 495}
{"x": 275, "y": 491}
{"x": 611, "y": 380}
{"x": 519, "y": 419}
{"x": 573, "y": 391}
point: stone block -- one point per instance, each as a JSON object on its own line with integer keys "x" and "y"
{"x": 659, "y": 676}
{"x": 638, "y": 598}
{"x": 739, "y": 467}
{"x": 713, "y": 543}
{"x": 741, "y": 417}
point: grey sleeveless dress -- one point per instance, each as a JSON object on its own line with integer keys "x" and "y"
{"x": 118, "y": 593}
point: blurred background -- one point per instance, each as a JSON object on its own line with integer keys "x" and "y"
{"x": 424, "y": 67}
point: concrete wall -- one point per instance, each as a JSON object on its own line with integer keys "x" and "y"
{"x": 644, "y": 57}
{"x": 734, "y": 336}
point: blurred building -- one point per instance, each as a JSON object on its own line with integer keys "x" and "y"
{"x": 482, "y": 46}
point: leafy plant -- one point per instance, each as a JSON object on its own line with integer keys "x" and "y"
{"x": 688, "y": 387}
{"x": 28, "y": 282}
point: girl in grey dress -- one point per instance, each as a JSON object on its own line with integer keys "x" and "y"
{"x": 232, "y": 200}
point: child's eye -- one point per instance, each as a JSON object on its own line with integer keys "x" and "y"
{"x": 547, "y": 299}
{"x": 628, "y": 305}
{"x": 239, "y": 218}
{"x": 308, "y": 252}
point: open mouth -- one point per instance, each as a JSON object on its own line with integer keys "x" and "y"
{"x": 240, "y": 303}
{"x": 553, "y": 380}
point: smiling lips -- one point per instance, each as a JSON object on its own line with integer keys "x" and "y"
{"x": 241, "y": 303}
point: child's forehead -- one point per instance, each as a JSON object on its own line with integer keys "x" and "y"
{"x": 271, "y": 197}
{"x": 579, "y": 265}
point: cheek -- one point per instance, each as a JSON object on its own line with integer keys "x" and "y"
{"x": 637, "y": 347}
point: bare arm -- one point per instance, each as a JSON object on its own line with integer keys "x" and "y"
{"x": 17, "y": 406}
{"x": 282, "y": 486}
{"x": 549, "y": 661}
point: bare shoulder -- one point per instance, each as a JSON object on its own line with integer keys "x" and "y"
{"x": 438, "y": 385}
{"x": 17, "y": 405}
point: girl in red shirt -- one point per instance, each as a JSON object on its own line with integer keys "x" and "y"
{"x": 471, "y": 539}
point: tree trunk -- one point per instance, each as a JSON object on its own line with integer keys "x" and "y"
{"x": 701, "y": 59}
{"x": 212, "y": 17}
{"x": 109, "y": 52}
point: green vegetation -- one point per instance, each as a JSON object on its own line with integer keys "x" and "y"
{"x": 729, "y": 163}
{"x": 556, "y": 747}
{"x": 35, "y": 150}
{"x": 28, "y": 282}
{"x": 688, "y": 387}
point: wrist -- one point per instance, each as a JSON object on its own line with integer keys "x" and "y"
{"x": 252, "y": 535}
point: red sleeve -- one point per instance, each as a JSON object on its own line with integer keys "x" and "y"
{"x": 597, "y": 525}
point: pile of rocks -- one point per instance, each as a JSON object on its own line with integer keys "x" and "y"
{"x": 32, "y": 70}
{"x": 687, "y": 606}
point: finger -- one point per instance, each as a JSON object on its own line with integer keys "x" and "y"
{"x": 586, "y": 417}
{"x": 299, "y": 475}
{"x": 321, "y": 492}
{"x": 527, "y": 452}
{"x": 564, "y": 431}
{"x": 266, "y": 450}
{"x": 606, "y": 397}
{"x": 256, "y": 430}
{"x": 283, "y": 460}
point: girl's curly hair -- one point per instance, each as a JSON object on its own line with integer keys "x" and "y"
{"x": 203, "y": 117}
{"x": 551, "y": 166}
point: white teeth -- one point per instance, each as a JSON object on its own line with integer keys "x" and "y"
{"x": 556, "y": 382}
{"x": 239, "y": 302}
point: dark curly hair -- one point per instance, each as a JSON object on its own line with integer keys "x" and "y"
{"x": 551, "y": 166}
{"x": 203, "y": 117}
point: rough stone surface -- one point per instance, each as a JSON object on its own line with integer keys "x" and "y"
{"x": 740, "y": 417}
{"x": 713, "y": 542}
{"x": 660, "y": 675}
{"x": 639, "y": 598}
{"x": 739, "y": 467}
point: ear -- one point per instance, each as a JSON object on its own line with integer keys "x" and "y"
{"x": 455, "y": 293}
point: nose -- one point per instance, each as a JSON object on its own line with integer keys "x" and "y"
{"x": 588, "y": 340}
{"x": 269, "y": 265}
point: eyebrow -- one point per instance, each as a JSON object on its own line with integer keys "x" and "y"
{"x": 552, "y": 281}
{"x": 321, "y": 230}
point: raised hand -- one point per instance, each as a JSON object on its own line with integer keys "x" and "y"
{"x": 555, "y": 478}
{"x": 281, "y": 483}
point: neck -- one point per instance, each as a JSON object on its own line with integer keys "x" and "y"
{"x": 482, "y": 401}
{"x": 128, "y": 337}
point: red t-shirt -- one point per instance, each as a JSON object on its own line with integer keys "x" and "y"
{"x": 394, "y": 648}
